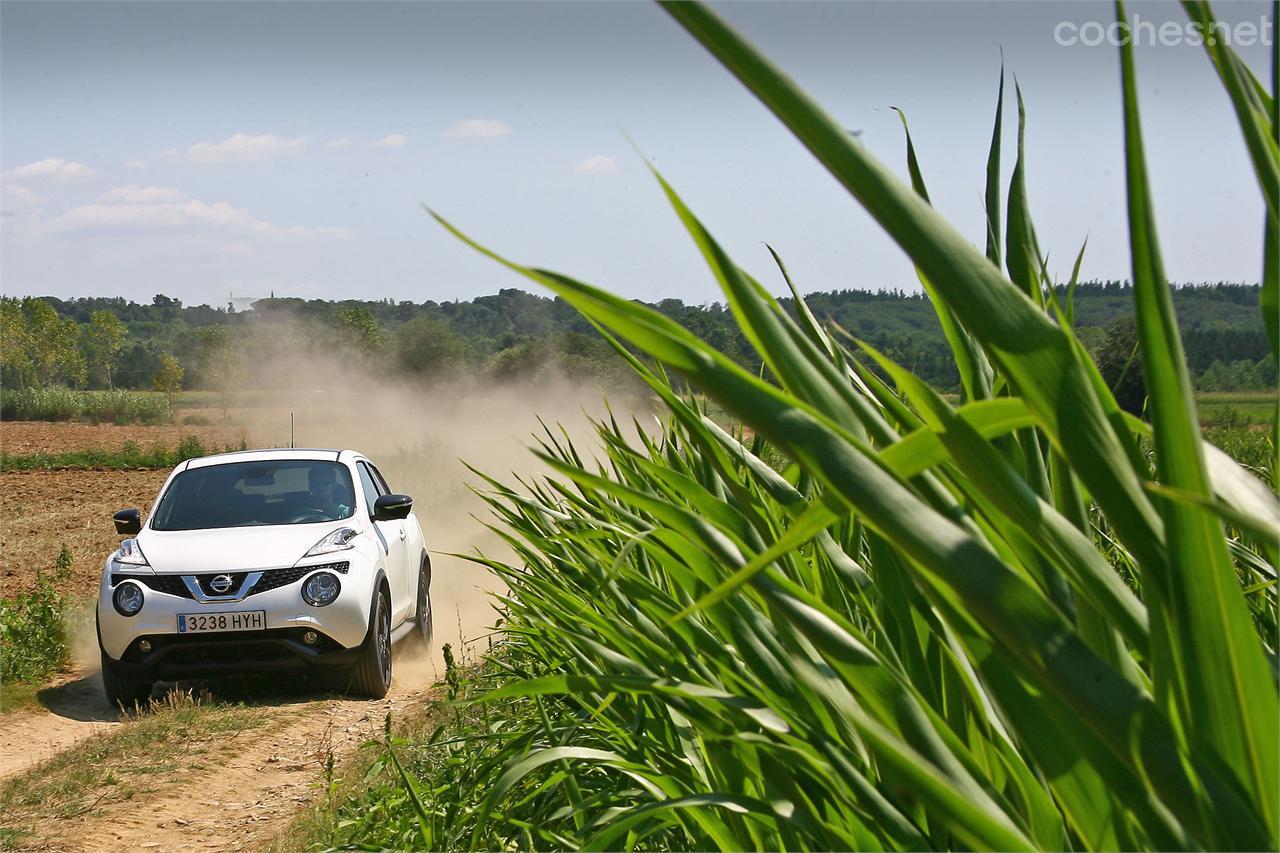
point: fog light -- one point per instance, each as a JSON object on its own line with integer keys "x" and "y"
{"x": 310, "y": 638}
{"x": 321, "y": 589}
{"x": 144, "y": 646}
{"x": 127, "y": 599}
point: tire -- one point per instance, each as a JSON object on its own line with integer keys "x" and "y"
{"x": 422, "y": 635}
{"x": 371, "y": 677}
{"x": 123, "y": 692}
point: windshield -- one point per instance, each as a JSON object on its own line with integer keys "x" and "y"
{"x": 245, "y": 494}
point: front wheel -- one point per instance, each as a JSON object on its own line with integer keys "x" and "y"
{"x": 371, "y": 677}
{"x": 123, "y": 692}
{"x": 422, "y": 628}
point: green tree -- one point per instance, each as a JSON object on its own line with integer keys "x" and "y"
{"x": 168, "y": 378}
{"x": 16, "y": 368}
{"x": 103, "y": 336}
{"x": 1120, "y": 363}
{"x": 219, "y": 362}
{"x": 54, "y": 345}
{"x": 358, "y": 328}
{"x": 427, "y": 347}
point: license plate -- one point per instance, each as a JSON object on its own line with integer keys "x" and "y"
{"x": 208, "y": 623}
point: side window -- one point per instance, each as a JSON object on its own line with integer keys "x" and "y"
{"x": 366, "y": 483}
{"x": 383, "y": 488}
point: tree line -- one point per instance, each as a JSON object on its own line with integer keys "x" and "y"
{"x": 96, "y": 342}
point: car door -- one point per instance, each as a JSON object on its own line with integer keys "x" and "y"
{"x": 392, "y": 536}
{"x": 412, "y": 542}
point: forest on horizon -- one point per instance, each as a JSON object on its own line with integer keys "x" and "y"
{"x": 101, "y": 342}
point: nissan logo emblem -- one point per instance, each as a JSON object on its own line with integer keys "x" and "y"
{"x": 220, "y": 583}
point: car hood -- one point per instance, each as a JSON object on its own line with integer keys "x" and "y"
{"x": 223, "y": 549}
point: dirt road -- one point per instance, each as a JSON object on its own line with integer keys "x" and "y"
{"x": 72, "y": 709}
{"x": 237, "y": 790}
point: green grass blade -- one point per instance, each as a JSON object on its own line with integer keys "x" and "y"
{"x": 1033, "y": 351}
{"x": 975, "y": 372}
{"x": 1022, "y": 254}
{"x": 993, "y": 181}
{"x": 922, "y": 449}
{"x": 987, "y": 472}
{"x": 1222, "y": 682}
{"x": 1255, "y": 115}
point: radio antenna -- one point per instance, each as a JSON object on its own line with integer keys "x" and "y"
{"x": 291, "y": 429}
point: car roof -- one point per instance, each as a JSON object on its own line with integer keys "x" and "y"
{"x": 273, "y": 454}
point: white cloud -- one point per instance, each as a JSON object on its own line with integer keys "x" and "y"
{"x": 243, "y": 148}
{"x": 134, "y": 194}
{"x": 478, "y": 128}
{"x": 168, "y": 209}
{"x": 395, "y": 140}
{"x": 51, "y": 168}
{"x": 597, "y": 165}
{"x": 237, "y": 250}
{"x": 22, "y": 196}
{"x": 139, "y": 165}
{"x": 342, "y": 142}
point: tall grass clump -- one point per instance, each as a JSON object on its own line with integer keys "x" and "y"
{"x": 65, "y": 404}
{"x": 34, "y": 641}
{"x": 996, "y": 623}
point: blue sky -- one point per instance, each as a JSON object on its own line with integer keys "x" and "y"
{"x": 204, "y": 149}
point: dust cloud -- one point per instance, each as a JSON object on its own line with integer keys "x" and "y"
{"x": 420, "y": 435}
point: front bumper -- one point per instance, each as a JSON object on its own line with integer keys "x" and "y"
{"x": 345, "y": 622}
{"x": 179, "y": 656}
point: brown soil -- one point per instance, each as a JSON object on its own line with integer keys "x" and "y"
{"x": 74, "y": 707}
{"x": 26, "y": 437}
{"x": 43, "y": 510}
{"x": 242, "y": 801}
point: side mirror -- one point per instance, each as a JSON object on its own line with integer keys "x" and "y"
{"x": 392, "y": 507}
{"x": 128, "y": 522}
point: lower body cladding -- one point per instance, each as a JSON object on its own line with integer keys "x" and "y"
{"x": 172, "y": 657}
{"x": 177, "y": 636}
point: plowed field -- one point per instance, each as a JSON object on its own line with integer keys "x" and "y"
{"x": 24, "y": 437}
{"x": 43, "y": 510}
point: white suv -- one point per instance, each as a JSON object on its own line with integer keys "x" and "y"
{"x": 264, "y": 560}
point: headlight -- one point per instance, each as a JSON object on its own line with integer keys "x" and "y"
{"x": 130, "y": 554}
{"x": 321, "y": 589}
{"x": 338, "y": 540}
{"x": 127, "y": 599}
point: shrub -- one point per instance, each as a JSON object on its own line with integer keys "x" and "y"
{"x": 33, "y": 635}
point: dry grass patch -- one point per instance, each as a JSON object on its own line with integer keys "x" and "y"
{"x": 177, "y": 735}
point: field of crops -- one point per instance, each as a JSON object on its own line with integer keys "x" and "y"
{"x": 879, "y": 619}
{"x": 64, "y": 404}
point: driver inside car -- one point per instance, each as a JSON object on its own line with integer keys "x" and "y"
{"x": 325, "y": 492}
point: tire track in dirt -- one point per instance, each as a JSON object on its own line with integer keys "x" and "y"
{"x": 74, "y": 709}
{"x": 241, "y": 805}
{"x": 242, "y": 801}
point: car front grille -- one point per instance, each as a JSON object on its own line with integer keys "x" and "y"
{"x": 274, "y": 578}
{"x": 171, "y": 584}
{"x": 237, "y": 580}
{"x": 271, "y": 579}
